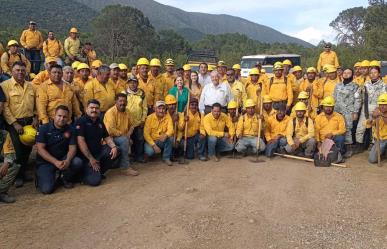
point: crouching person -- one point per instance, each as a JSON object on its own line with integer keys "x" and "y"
{"x": 379, "y": 116}
{"x": 8, "y": 170}
{"x": 218, "y": 140}
{"x": 98, "y": 157}
{"x": 56, "y": 150}
{"x": 300, "y": 133}
{"x": 158, "y": 133}
{"x": 247, "y": 130}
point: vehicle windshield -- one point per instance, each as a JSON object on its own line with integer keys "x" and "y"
{"x": 250, "y": 63}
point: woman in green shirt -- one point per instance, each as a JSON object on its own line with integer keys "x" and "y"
{"x": 182, "y": 92}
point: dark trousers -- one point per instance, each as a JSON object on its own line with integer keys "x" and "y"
{"x": 192, "y": 143}
{"x": 138, "y": 143}
{"x": 33, "y": 55}
{"x": 22, "y": 151}
{"x": 92, "y": 177}
{"x": 46, "y": 175}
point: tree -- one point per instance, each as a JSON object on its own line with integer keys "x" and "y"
{"x": 375, "y": 28}
{"x": 170, "y": 43}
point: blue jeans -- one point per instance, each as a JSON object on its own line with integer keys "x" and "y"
{"x": 218, "y": 144}
{"x": 271, "y": 148}
{"x": 165, "y": 146}
{"x": 193, "y": 142}
{"x": 46, "y": 174}
{"x": 373, "y": 156}
{"x": 246, "y": 143}
{"x": 340, "y": 143}
{"x": 33, "y": 55}
{"x": 138, "y": 143}
{"x": 123, "y": 144}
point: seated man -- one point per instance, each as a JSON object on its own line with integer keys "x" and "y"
{"x": 214, "y": 124}
{"x": 118, "y": 124}
{"x": 247, "y": 130}
{"x": 158, "y": 133}
{"x": 56, "y": 150}
{"x": 8, "y": 171}
{"x": 304, "y": 97}
{"x": 300, "y": 133}
{"x": 330, "y": 125}
{"x": 275, "y": 131}
{"x": 380, "y": 116}
{"x": 98, "y": 157}
{"x": 268, "y": 110}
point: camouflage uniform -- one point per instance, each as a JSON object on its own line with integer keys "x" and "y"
{"x": 346, "y": 105}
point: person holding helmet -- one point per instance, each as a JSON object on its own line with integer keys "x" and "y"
{"x": 312, "y": 85}
{"x": 331, "y": 81}
{"x": 328, "y": 57}
{"x": 280, "y": 88}
{"x": 300, "y": 133}
{"x": 379, "y": 115}
{"x": 144, "y": 84}
{"x": 11, "y": 56}
{"x": 247, "y": 130}
{"x": 304, "y": 98}
{"x": 19, "y": 111}
{"x": 44, "y": 75}
{"x": 115, "y": 77}
{"x": 330, "y": 125}
{"x": 237, "y": 88}
{"x": 72, "y": 46}
{"x": 169, "y": 74}
{"x": 32, "y": 41}
{"x": 157, "y": 79}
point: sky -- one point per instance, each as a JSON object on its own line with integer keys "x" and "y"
{"x": 305, "y": 19}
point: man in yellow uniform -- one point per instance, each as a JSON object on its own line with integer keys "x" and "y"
{"x": 313, "y": 87}
{"x": 380, "y": 115}
{"x": 357, "y": 73}
{"x": 79, "y": 84}
{"x": 186, "y": 75}
{"x": 287, "y": 64}
{"x": 102, "y": 89}
{"x": 238, "y": 76}
{"x": 123, "y": 73}
{"x": 19, "y": 110}
{"x": 237, "y": 88}
{"x": 330, "y": 125}
{"x": 158, "y": 133}
{"x": 300, "y": 133}
{"x": 118, "y": 124}
{"x": 232, "y": 112}
{"x": 32, "y": 41}
{"x": 157, "y": 79}
{"x": 218, "y": 140}
{"x": 169, "y": 74}
{"x": 144, "y": 84}
{"x": 221, "y": 68}
{"x": 171, "y": 105}
{"x": 52, "y": 47}
{"x": 53, "y": 93}
{"x": 115, "y": 77}
{"x": 72, "y": 46}
{"x": 247, "y": 130}
{"x": 364, "y": 70}
{"x": 255, "y": 86}
{"x": 44, "y": 75}
{"x": 331, "y": 81}
{"x": 328, "y": 57}
{"x": 94, "y": 67}
{"x": 11, "y": 56}
{"x": 299, "y": 78}
{"x": 275, "y": 131}
{"x": 267, "y": 109}
{"x": 280, "y": 88}
{"x": 304, "y": 98}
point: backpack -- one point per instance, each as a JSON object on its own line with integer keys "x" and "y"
{"x": 334, "y": 156}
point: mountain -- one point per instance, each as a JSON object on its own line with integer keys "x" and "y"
{"x": 194, "y": 25}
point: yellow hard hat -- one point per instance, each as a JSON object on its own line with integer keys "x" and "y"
{"x": 73, "y": 30}
{"x": 221, "y": 64}
{"x": 278, "y": 66}
{"x": 96, "y": 64}
{"x": 50, "y": 59}
{"x": 375, "y": 63}
{"x": 236, "y": 67}
{"x": 155, "y": 63}
{"x": 328, "y": 101}
{"x": 142, "y": 61}
{"x": 382, "y": 99}
{"x": 122, "y": 66}
{"x": 12, "y": 43}
{"x": 303, "y": 95}
{"x": 326, "y": 66}
{"x": 232, "y": 105}
{"x": 365, "y": 63}
{"x": 75, "y": 65}
{"x": 32, "y": 76}
{"x": 287, "y": 62}
{"x": 82, "y": 66}
{"x": 254, "y": 71}
{"x": 357, "y": 64}
{"x": 300, "y": 106}
{"x": 331, "y": 69}
{"x": 297, "y": 68}
{"x": 169, "y": 62}
{"x": 170, "y": 99}
{"x": 263, "y": 71}
{"x": 28, "y": 136}
{"x": 249, "y": 103}
{"x": 187, "y": 67}
{"x": 267, "y": 99}
{"x": 311, "y": 70}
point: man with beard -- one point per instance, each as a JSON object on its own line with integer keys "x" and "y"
{"x": 169, "y": 75}
{"x": 313, "y": 87}
{"x": 144, "y": 84}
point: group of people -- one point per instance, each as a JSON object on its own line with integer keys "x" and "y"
{"x": 87, "y": 117}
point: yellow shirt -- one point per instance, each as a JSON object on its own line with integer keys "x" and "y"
{"x": 251, "y": 92}
{"x": 335, "y": 125}
{"x": 169, "y": 80}
{"x": 52, "y": 48}
{"x": 327, "y": 58}
{"x": 247, "y": 126}
{"x": 20, "y": 100}
{"x": 117, "y": 123}
{"x": 329, "y": 87}
{"x": 104, "y": 93}
{"x": 49, "y": 96}
{"x": 78, "y": 87}
{"x": 149, "y": 89}
{"x": 160, "y": 86}
{"x": 238, "y": 92}
{"x": 72, "y": 46}
{"x": 194, "y": 122}
{"x": 7, "y": 60}
{"x": 274, "y": 127}
{"x": 317, "y": 91}
{"x": 120, "y": 84}
{"x": 155, "y": 127}
{"x": 1, "y": 49}
{"x": 279, "y": 91}
{"x": 267, "y": 115}
{"x": 382, "y": 130}
{"x": 215, "y": 127}
{"x": 137, "y": 107}
{"x": 40, "y": 78}
{"x": 91, "y": 56}
{"x": 301, "y": 131}
{"x": 31, "y": 39}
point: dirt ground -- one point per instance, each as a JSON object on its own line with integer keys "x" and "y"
{"x": 281, "y": 203}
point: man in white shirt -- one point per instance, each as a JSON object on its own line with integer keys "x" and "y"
{"x": 215, "y": 93}
{"x": 204, "y": 76}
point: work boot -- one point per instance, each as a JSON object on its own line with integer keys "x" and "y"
{"x": 4, "y": 197}
{"x": 129, "y": 172}
{"x": 203, "y": 158}
{"x": 214, "y": 158}
{"x": 67, "y": 184}
{"x": 19, "y": 182}
{"x": 168, "y": 162}
{"x": 348, "y": 151}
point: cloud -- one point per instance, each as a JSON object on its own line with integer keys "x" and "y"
{"x": 314, "y": 35}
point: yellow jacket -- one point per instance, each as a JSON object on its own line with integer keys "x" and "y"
{"x": 105, "y": 94}
{"x": 238, "y": 91}
{"x": 53, "y": 48}
{"x": 7, "y": 60}
{"x": 247, "y": 126}
{"x": 31, "y": 39}
{"x": 149, "y": 89}
{"x": 155, "y": 127}
{"x": 160, "y": 85}
{"x": 317, "y": 91}
{"x": 49, "y": 96}
{"x": 327, "y": 58}
{"x": 117, "y": 123}
{"x": 120, "y": 84}
{"x": 8, "y": 146}
{"x": 335, "y": 125}
{"x": 169, "y": 79}
{"x": 302, "y": 131}
{"x": 78, "y": 87}
{"x": 91, "y": 56}
{"x": 20, "y": 100}
{"x": 382, "y": 130}
{"x": 215, "y": 127}
{"x": 71, "y": 46}
{"x": 361, "y": 80}
{"x": 274, "y": 127}
{"x": 194, "y": 122}
{"x": 329, "y": 87}
{"x": 40, "y": 78}
{"x": 137, "y": 106}
{"x": 279, "y": 91}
